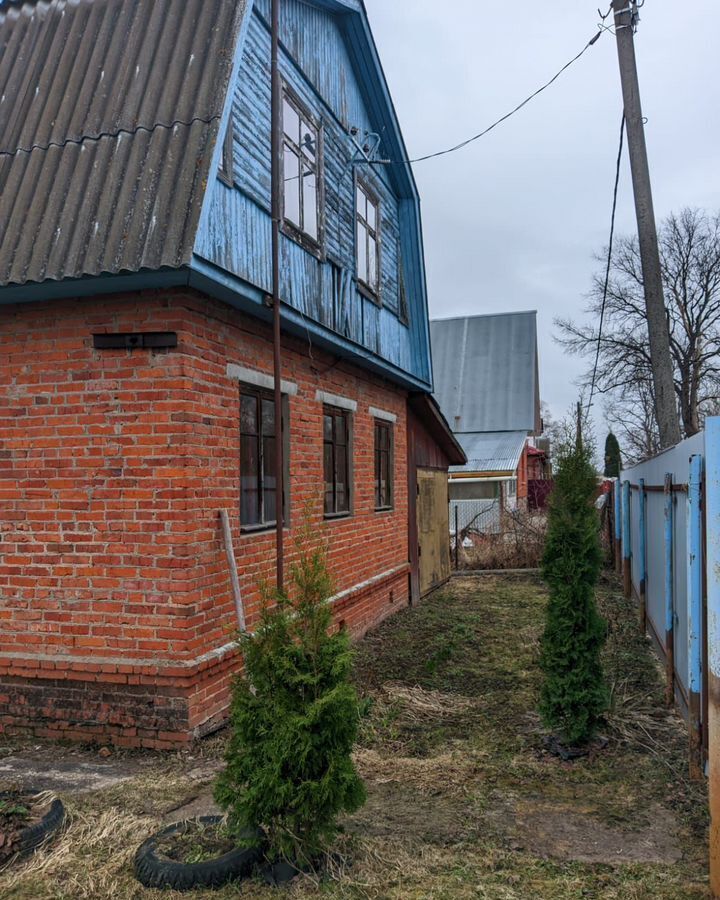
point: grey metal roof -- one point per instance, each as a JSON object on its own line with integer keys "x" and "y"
{"x": 109, "y": 113}
{"x": 491, "y": 451}
{"x": 485, "y": 371}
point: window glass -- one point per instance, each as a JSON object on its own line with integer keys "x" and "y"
{"x": 336, "y": 461}
{"x": 258, "y": 484}
{"x": 301, "y": 175}
{"x": 367, "y": 214}
{"x": 292, "y": 187}
{"x": 383, "y": 465}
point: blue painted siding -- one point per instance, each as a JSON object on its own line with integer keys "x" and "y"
{"x": 235, "y": 234}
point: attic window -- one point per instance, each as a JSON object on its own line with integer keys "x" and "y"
{"x": 225, "y": 172}
{"x": 368, "y": 239}
{"x": 302, "y": 164}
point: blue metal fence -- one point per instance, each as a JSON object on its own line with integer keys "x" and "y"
{"x": 660, "y": 527}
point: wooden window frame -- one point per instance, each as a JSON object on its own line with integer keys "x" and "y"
{"x": 371, "y": 196}
{"x": 383, "y": 504}
{"x": 344, "y": 414}
{"x": 314, "y": 245}
{"x": 259, "y": 394}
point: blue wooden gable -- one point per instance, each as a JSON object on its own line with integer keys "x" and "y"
{"x": 329, "y": 63}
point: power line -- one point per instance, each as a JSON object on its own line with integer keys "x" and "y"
{"x": 593, "y": 40}
{"x": 606, "y": 286}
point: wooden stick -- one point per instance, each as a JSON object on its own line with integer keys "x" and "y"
{"x": 230, "y": 553}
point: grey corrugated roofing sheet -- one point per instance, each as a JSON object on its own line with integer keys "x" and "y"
{"x": 491, "y": 451}
{"x": 485, "y": 370}
{"x": 109, "y": 113}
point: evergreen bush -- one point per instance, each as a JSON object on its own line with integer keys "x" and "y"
{"x": 294, "y": 719}
{"x": 613, "y": 459}
{"x": 574, "y": 695}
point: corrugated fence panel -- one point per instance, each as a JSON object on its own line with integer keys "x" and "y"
{"x": 676, "y": 462}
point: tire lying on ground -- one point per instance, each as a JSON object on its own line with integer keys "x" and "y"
{"x": 30, "y": 838}
{"x": 153, "y": 870}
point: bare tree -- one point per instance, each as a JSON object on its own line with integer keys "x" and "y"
{"x": 690, "y": 256}
{"x": 632, "y": 418}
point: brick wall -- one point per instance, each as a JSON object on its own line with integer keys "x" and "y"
{"x": 115, "y": 605}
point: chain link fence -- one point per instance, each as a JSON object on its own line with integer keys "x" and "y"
{"x": 496, "y": 534}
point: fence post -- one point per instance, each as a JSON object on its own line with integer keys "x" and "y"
{"x": 618, "y": 527}
{"x": 669, "y": 594}
{"x": 626, "y": 533}
{"x": 712, "y": 470}
{"x": 643, "y": 554}
{"x": 695, "y": 611}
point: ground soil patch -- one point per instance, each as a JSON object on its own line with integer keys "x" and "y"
{"x": 464, "y": 800}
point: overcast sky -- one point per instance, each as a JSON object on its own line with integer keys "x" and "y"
{"x": 512, "y": 222}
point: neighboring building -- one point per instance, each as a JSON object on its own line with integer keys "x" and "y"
{"x": 136, "y": 352}
{"x": 487, "y": 385}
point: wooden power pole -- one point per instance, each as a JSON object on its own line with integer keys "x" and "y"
{"x": 626, "y": 18}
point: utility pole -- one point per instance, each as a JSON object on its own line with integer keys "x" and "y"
{"x": 626, "y": 19}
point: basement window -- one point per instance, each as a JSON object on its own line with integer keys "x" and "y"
{"x": 367, "y": 214}
{"x": 336, "y": 461}
{"x": 302, "y": 169}
{"x": 258, "y": 487}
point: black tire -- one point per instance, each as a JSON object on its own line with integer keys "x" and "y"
{"x": 30, "y": 838}
{"x": 153, "y": 871}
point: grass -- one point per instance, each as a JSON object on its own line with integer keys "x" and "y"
{"x": 463, "y": 800}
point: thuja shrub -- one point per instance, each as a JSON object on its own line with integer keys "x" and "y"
{"x": 574, "y": 695}
{"x": 294, "y": 720}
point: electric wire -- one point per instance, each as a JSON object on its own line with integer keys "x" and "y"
{"x": 608, "y": 268}
{"x": 593, "y": 40}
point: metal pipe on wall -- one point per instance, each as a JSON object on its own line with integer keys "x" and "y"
{"x": 276, "y": 176}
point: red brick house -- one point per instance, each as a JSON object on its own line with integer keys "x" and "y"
{"x": 136, "y": 352}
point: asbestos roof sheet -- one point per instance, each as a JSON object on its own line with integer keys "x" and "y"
{"x": 491, "y": 451}
{"x": 486, "y": 372}
{"x": 109, "y": 114}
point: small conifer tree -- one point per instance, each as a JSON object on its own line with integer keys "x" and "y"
{"x": 613, "y": 459}
{"x": 574, "y": 695}
{"x": 294, "y": 719}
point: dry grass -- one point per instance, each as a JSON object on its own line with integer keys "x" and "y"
{"x": 463, "y": 801}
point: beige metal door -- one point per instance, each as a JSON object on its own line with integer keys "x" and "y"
{"x": 433, "y": 528}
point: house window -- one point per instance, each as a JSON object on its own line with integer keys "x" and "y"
{"x": 301, "y": 170}
{"x": 383, "y": 465}
{"x": 226, "y": 172}
{"x": 367, "y": 213}
{"x": 258, "y": 493}
{"x": 336, "y": 461}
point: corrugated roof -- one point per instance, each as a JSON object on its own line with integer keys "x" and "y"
{"x": 109, "y": 113}
{"x": 491, "y": 451}
{"x": 485, "y": 371}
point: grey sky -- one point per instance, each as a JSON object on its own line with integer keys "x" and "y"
{"x": 513, "y": 221}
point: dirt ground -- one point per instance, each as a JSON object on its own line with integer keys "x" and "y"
{"x": 464, "y": 802}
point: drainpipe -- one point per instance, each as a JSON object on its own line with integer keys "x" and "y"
{"x": 626, "y": 539}
{"x": 276, "y": 176}
{"x": 618, "y": 526}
